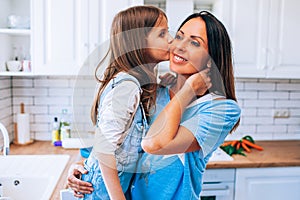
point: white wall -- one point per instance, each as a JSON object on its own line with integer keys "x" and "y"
{"x": 6, "y": 117}
{"x": 44, "y": 97}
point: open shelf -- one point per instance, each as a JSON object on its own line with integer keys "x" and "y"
{"x": 15, "y": 31}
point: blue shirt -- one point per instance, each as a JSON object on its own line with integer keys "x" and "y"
{"x": 180, "y": 176}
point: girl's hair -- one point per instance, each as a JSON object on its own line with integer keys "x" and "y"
{"x": 127, "y": 53}
{"x": 220, "y": 51}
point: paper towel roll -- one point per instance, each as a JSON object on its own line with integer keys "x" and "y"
{"x": 23, "y": 128}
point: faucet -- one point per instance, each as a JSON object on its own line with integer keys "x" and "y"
{"x": 5, "y": 138}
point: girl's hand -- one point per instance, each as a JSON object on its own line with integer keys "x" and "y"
{"x": 167, "y": 79}
{"x": 200, "y": 82}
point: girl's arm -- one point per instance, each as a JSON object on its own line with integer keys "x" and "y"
{"x": 114, "y": 116}
{"x": 110, "y": 176}
{"x": 165, "y": 133}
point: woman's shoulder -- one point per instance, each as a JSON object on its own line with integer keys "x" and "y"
{"x": 215, "y": 103}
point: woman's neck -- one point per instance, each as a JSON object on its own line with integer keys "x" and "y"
{"x": 178, "y": 85}
{"x": 180, "y": 80}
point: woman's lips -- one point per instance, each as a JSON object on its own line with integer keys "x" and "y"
{"x": 178, "y": 59}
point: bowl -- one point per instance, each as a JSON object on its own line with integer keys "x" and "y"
{"x": 13, "y": 65}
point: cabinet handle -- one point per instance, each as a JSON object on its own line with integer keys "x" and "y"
{"x": 215, "y": 189}
{"x": 263, "y": 59}
{"x": 271, "y": 58}
{"x": 86, "y": 45}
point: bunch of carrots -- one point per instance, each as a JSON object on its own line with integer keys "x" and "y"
{"x": 238, "y": 146}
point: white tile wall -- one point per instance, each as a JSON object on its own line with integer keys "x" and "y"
{"x": 6, "y": 117}
{"x": 258, "y": 98}
{"x": 45, "y": 97}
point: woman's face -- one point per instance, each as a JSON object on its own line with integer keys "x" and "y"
{"x": 158, "y": 42}
{"x": 189, "y": 50}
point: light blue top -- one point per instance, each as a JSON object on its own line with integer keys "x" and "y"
{"x": 180, "y": 176}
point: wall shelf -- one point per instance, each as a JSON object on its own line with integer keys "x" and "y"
{"x": 15, "y": 31}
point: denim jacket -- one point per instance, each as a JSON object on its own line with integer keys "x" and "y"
{"x": 127, "y": 154}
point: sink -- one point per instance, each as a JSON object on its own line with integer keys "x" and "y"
{"x": 220, "y": 155}
{"x": 30, "y": 176}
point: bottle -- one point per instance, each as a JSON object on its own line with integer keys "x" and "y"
{"x": 65, "y": 125}
{"x": 1, "y": 190}
{"x": 55, "y": 132}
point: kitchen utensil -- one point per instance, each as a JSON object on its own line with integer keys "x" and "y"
{"x": 13, "y": 65}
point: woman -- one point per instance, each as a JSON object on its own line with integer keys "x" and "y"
{"x": 192, "y": 130}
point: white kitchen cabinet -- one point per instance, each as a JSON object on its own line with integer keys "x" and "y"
{"x": 15, "y": 36}
{"x": 56, "y": 37}
{"x": 66, "y": 32}
{"x": 284, "y": 40}
{"x": 267, "y": 183}
{"x": 265, "y": 37}
{"x": 97, "y": 16}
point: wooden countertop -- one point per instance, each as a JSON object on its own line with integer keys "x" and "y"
{"x": 275, "y": 154}
{"x": 45, "y": 147}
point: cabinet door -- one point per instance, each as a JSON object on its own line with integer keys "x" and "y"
{"x": 284, "y": 40}
{"x": 56, "y": 36}
{"x": 268, "y": 183}
{"x": 96, "y": 19}
{"x": 246, "y": 22}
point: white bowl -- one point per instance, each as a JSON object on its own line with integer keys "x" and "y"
{"x": 13, "y": 65}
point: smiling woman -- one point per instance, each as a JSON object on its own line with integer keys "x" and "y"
{"x": 191, "y": 52}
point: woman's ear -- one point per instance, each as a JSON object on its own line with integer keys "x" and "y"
{"x": 208, "y": 64}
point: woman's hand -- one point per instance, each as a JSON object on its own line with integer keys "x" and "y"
{"x": 199, "y": 82}
{"x": 78, "y": 186}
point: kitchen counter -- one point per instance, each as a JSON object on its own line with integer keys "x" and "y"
{"x": 45, "y": 147}
{"x": 275, "y": 154}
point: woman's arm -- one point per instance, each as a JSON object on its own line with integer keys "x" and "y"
{"x": 165, "y": 133}
{"x": 78, "y": 186}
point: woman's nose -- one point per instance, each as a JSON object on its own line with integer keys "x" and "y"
{"x": 180, "y": 45}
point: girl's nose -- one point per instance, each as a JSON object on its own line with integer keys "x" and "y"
{"x": 170, "y": 38}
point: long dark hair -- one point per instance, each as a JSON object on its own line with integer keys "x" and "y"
{"x": 220, "y": 51}
{"x": 127, "y": 53}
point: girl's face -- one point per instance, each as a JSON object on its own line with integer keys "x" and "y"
{"x": 189, "y": 50}
{"x": 158, "y": 42}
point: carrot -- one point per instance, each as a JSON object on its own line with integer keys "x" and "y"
{"x": 226, "y": 143}
{"x": 250, "y": 144}
{"x": 234, "y": 143}
{"x": 238, "y": 145}
{"x": 245, "y": 147}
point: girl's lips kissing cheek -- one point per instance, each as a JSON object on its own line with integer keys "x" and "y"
{"x": 178, "y": 59}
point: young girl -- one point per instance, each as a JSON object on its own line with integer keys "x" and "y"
{"x": 139, "y": 40}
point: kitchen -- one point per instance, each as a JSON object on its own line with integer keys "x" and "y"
{"x": 267, "y": 82}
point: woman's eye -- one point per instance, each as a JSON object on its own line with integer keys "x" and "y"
{"x": 195, "y": 43}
